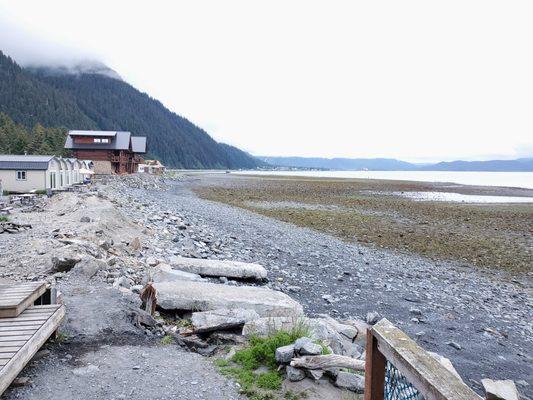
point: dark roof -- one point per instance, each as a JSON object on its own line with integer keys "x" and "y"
{"x": 120, "y": 142}
{"x": 24, "y": 162}
{"x": 138, "y": 144}
{"x": 93, "y": 133}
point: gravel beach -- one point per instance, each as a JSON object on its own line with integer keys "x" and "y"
{"x": 480, "y": 319}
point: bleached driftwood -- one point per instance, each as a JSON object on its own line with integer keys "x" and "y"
{"x": 328, "y": 361}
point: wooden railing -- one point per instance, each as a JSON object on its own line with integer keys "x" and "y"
{"x": 388, "y": 348}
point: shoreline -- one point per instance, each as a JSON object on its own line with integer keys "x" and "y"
{"x": 458, "y": 303}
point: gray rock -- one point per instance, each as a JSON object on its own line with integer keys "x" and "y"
{"x": 89, "y": 266}
{"x": 372, "y": 317}
{"x": 284, "y": 354}
{"x": 455, "y": 345}
{"x": 123, "y": 281}
{"x": 305, "y": 346}
{"x": 151, "y": 261}
{"x": 85, "y": 219}
{"x": 229, "y": 269}
{"x": 202, "y": 296}
{"x": 500, "y": 390}
{"x": 65, "y": 259}
{"x": 208, "y": 321}
{"x": 294, "y": 374}
{"x": 164, "y": 273}
{"x": 352, "y": 382}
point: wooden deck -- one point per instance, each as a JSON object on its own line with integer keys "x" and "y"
{"x": 21, "y": 337}
{"x": 15, "y": 298}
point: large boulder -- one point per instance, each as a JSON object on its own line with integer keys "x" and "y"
{"x": 340, "y": 337}
{"x": 89, "y": 266}
{"x": 65, "y": 258}
{"x": 500, "y": 390}
{"x": 165, "y": 273}
{"x": 203, "y": 296}
{"x": 207, "y": 321}
{"x": 229, "y": 269}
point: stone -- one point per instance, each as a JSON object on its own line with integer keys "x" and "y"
{"x": 164, "y": 273}
{"x": 343, "y": 339}
{"x": 352, "y": 382}
{"x": 208, "y": 321}
{"x": 65, "y": 259}
{"x": 372, "y": 317}
{"x": 500, "y": 390}
{"x": 85, "y": 219}
{"x": 415, "y": 311}
{"x": 123, "y": 282}
{"x": 229, "y": 269}
{"x": 151, "y": 261}
{"x": 203, "y": 296}
{"x": 455, "y": 345}
{"x": 21, "y": 381}
{"x": 306, "y": 347}
{"x": 89, "y": 266}
{"x": 284, "y": 354}
{"x": 135, "y": 244}
{"x": 294, "y": 374}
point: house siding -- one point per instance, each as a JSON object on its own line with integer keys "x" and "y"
{"x": 35, "y": 180}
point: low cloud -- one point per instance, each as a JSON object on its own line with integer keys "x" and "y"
{"x": 29, "y": 49}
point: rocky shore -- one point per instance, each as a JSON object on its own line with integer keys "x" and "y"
{"x": 101, "y": 247}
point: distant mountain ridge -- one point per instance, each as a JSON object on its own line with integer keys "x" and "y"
{"x": 389, "y": 164}
{"x": 93, "y": 96}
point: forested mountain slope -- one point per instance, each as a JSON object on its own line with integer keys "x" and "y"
{"x": 59, "y": 98}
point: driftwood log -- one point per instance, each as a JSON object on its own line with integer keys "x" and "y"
{"x": 149, "y": 298}
{"x": 12, "y": 227}
{"x": 327, "y": 362}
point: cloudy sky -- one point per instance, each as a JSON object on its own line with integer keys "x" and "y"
{"x": 416, "y": 80}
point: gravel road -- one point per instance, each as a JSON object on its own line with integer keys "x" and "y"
{"x": 481, "y": 320}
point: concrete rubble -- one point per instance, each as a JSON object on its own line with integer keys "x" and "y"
{"x": 229, "y": 269}
{"x": 202, "y": 296}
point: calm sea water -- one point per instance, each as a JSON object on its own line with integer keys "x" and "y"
{"x": 507, "y": 179}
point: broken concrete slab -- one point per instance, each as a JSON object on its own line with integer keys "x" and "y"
{"x": 203, "y": 296}
{"x": 229, "y": 269}
{"x": 208, "y": 321}
{"x": 500, "y": 390}
{"x": 350, "y": 381}
{"x": 165, "y": 273}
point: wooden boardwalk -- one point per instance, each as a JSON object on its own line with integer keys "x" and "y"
{"x": 23, "y": 335}
{"x": 17, "y": 297}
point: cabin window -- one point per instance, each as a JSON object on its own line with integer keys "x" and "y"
{"x": 21, "y": 175}
{"x": 97, "y": 140}
{"x": 105, "y": 140}
{"x": 101, "y": 140}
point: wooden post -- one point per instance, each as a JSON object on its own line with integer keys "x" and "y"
{"x": 374, "y": 369}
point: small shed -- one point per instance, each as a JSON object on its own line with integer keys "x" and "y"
{"x": 24, "y": 173}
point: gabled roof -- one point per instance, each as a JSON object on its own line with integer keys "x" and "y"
{"x": 138, "y": 144}
{"x": 23, "y": 162}
{"x": 93, "y": 133}
{"x": 121, "y": 141}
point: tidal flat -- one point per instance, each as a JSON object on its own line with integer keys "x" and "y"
{"x": 376, "y": 213}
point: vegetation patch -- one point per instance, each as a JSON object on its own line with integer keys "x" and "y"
{"x": 371, "y": 212}
{"x": 254, "y": 367}
{"x": 3, "y": 218}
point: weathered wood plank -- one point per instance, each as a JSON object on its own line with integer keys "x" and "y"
{"x": 328, "y": 361}
{"x": 17, "y": 323}
{"x": 374, "y": 369}
{"x": 19, "y": 328}
{"x": 16, "y": 333}
{"x": 9, "y": 349}
{"x": 13, "y": 367}
{"x": 14, "y": 338}
{"x": 431, "y": 378}
{"x": 12, "y": 343}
